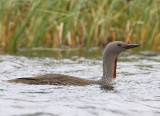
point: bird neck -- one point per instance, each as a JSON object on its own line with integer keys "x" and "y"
{"x": 109, "y": 69}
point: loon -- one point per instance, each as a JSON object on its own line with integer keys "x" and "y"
{"x": 110, "y": 54}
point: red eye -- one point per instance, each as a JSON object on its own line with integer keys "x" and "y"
{"x": 119, "y": 45}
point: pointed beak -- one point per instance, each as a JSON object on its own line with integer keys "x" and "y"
{"x": 132, "y": 46}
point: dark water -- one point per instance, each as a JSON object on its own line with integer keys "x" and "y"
{"x": 136, "y": 92}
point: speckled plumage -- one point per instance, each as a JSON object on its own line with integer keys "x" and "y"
{"x": 55, "y": 79}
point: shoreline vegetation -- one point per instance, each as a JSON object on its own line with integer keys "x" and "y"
{"x": 78, "y": 23}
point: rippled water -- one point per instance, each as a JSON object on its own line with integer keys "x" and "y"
{"x": 136, "y": 92}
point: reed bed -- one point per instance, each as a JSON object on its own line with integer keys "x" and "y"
{"x": 78, "y": 23}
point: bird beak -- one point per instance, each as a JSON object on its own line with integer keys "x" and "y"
{"x": 132, "y": 46}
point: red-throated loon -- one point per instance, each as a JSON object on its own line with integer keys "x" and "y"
{"x": 110, "y": 54}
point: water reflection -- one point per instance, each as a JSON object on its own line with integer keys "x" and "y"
{"x": 107, "y": 87}
{"x": 60, "y": 53}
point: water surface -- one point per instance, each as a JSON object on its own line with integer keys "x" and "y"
{"x": 136, "y": 92}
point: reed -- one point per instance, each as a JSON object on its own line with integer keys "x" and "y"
{"x": 78, "y": 23}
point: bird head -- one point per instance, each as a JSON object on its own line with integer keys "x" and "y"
{"x": 117, "y": 47}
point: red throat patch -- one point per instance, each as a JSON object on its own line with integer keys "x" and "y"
{"x": 115, "y": 66}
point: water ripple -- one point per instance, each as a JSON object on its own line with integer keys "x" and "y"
{"x": 136, "y": 91}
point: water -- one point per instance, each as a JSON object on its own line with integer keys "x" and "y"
{"x": 136, "y": 92}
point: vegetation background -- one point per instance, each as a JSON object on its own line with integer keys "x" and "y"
{"x": 78, "y": 23}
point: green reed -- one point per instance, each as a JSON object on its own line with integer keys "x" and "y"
{"x": 78, "y": 23}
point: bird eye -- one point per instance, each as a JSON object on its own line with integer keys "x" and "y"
{"x": 119, "y": 45}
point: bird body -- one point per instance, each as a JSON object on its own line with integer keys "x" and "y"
{"x": 110, "y": 55}
{"x": 55, "y": 79}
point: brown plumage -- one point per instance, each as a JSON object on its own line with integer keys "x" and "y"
{"x": 55, "y": 79}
